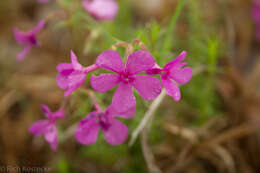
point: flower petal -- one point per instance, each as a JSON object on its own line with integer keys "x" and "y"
{"x": 62, "y": 81}
{"x": 46, "y": 110}
{"x": 123, "y": 98}
{"x": 58, "y": 114}
{"x": 176, "y": 61}
{"x": 101, "y": 9}
{"x": 74, "y": 60}
{"x": 148, "y": 87}
{"x": 117, "y": 133}
{"x": 111, "y": 111}
{"x": 75, "y": 80}
{"x": 20, "y": 56}
{"x": 172, "y": 89}
{"x": 110, "y": 60}
{"x": 19, "y": 36}
{"x": 39, "y": 127}
{"x": 139, "y": 61}
{"x": 65, "y": 68}
{"x": 38, "y": 27}
{"x": 104, "y": 82}
{"x": 87, "y": 130}
{"x": 51, "y": 136}
{"x": 181, "y": 75}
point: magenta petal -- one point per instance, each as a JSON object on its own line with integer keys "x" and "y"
{"x": 20, "y": 56}
{"x": 110, "y": 60}
{"x": 101, "y": 9}
{"x": 111, "y": 111}
{"x": 65, "y": 68}
{"x": 182, "y": 75}
{"x": 74, "y": 60}
{"x": 62, "y": 81}
{"x": 176, "y": 61}
{"x": 19, "y": 36}
{"x": 104, "y": 82}
{"x": 39, "y": 127}
{"x": 43, "y": 1}
{"x": 139, "y": 61}
{"x": 58, "y": 114}
{"x": 148, "y": 87}
{"x": 172, "y": 89}
{"x": 87, "y": 130}
{"x": 75, "y": 80}
{"x": 123, "y": 98}
{"x": 38, "y": 27}
{"x": 51, "y": 136}
{"x": 117, "y": 133}
{"x": 46, "y": 110}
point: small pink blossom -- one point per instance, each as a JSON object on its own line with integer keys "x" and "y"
{"x": 48, "y": 127}
{"x": 115, "y": 132}
{"x": 72, "y": 75}
{"x": 43, "y": 1}
{"x": 126, "y": 77}
{"x": 256, "y": 16}
{"x": 173, "y": 73}
{"x": 101, "y": 9}
{"x": 28, "y": 39}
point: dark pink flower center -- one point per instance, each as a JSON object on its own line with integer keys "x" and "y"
{"x": 103, "y": 121}
{"x": 126, "y": 77}
{"x": 32, "y": 39}
{"x": 164, "y": 74}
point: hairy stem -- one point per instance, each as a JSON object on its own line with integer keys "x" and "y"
{"x": 147, "y": 116}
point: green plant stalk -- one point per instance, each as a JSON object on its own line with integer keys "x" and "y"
{"x": 168, "y": 36}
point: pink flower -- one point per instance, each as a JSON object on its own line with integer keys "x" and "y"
{"x": 43, "y": 1}
{"x": 71, "y": 76}
{"x": 127, "y": 78}
{"x": 101, "y": 9}
{"x": 256, "y": 16}
{"x": 115, "y": 132}
{"x": 173, "y": 73}
{"x": 28, "y": 39}
{"x": 47, "y": 127}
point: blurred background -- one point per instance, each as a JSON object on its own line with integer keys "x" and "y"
{"x": 213, "y": 129}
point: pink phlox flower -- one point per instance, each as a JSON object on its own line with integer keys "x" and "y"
{"x": 48, "y": 127}
{"x": 72, "y": 75}
{"x": 115, "y": 132}
{"x": 256, "y": 16}
{"x": 126, "y": 77}
{"x": 28, "y": 39}
{"x": 43, "y": 1}
{"x": 172, "y": 74}
{"x": 101, "y": 9}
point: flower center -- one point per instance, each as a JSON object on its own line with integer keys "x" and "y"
{"x": 126, "y": 78}
{"x": 164, "y": 74}
{"x": 104, "y": 121}
{"x": 32, "y": 39}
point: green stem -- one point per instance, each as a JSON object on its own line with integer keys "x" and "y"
{"x": 168, "y": 36}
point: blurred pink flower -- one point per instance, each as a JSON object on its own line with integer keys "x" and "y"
{"x": 72, "y": 75}
{"x": 43, "y": 1}
{"x": 173, "y": 73}
{"x": 48, "y": 127}
{"x": 115, "y": 132}
{"x": 127, "y": 78}
{"x": 28, "y": 39}
{"x": 256, "y": 16}
{"x": 101, "y": 9}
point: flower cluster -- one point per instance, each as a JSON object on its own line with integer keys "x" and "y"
{"x": 139, "y": 72}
